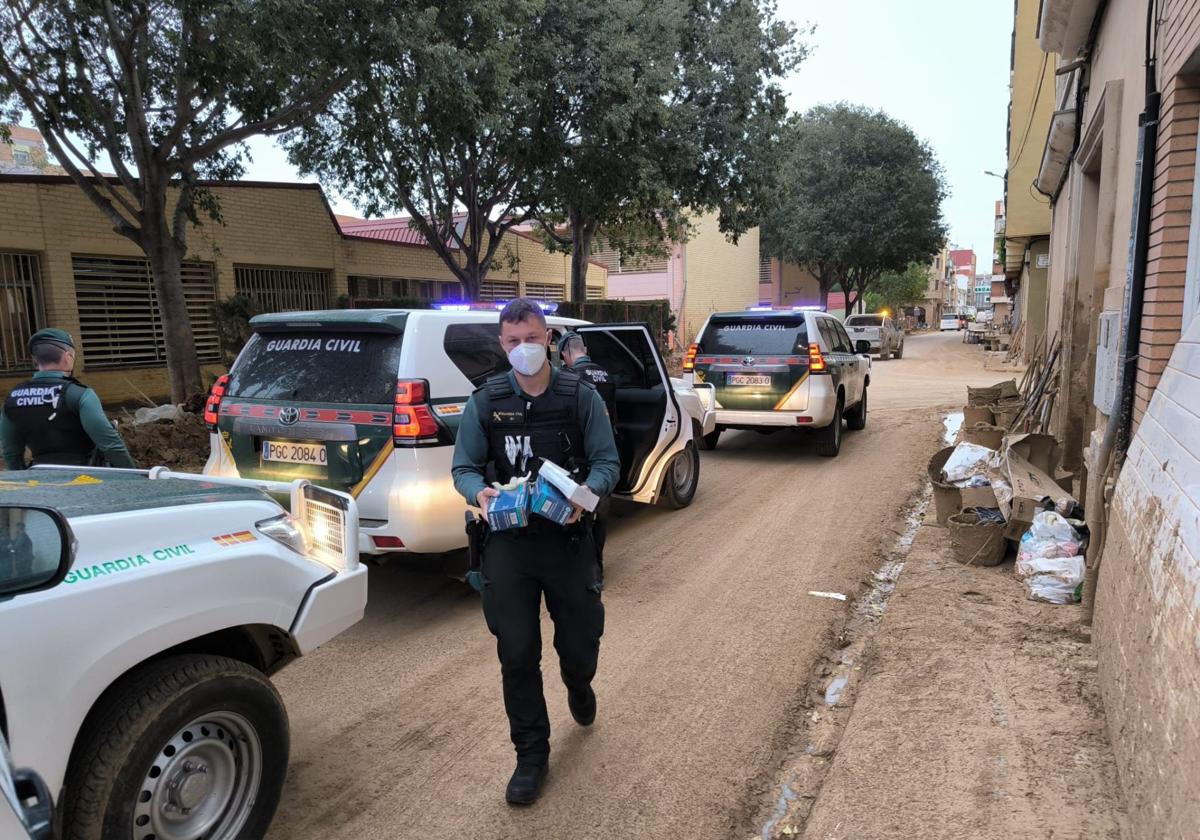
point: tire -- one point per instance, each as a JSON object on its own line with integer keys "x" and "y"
{"x": 185, "y": 747}
{"x": 899, "y": 350}
{"x": 709, "y": 441}
{"x": 856, "y": 418}
{"x": 883, "y": 357}
{"x": 829, "y": 439}
{"x": 681, "y": 478}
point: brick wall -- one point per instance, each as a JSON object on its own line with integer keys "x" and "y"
{"x": 720, "y": 276}
{"x": 1147, "y": 623}
{"x": 275, "y": 225}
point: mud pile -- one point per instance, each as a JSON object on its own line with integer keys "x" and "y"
{"x": 181, "y": 444}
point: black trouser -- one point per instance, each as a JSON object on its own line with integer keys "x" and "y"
{"x": 518, "y": 568}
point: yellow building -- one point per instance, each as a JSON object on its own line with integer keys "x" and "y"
{"x": 62, "y": 265}
{"x": 1026, "y": 212}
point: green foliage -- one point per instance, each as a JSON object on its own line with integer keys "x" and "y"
{"x": 656, "y": 313}
{"x": 896, "y": 289}
{"x": 641, "y": 139}
{"x": 858, "y": 194}
{"x": 231, "y": 317}
{"x": 447, "y": 127}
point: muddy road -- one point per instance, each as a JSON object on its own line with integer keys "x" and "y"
{"x": 398, "y": 728}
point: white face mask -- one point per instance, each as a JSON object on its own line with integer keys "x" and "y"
{"x": 527, "y": 359}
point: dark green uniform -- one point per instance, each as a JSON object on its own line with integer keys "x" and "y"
{"x": 506, "y": 432}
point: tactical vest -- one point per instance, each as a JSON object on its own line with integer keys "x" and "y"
{"x": 599, "y": 378}
{"x": 46, "y": 412}
{"x": 521, "y": 432}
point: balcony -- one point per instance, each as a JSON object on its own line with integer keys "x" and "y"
{"x": 1065, "y": 25}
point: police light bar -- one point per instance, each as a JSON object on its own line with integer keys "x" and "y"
{"x": 762, "y": 308}
{"x": 547, "y": 306}
{"x": 810, "y": 308}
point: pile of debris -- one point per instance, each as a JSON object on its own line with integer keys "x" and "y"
{"x": 997, "y": 488}
{"x": 166, "y": 435}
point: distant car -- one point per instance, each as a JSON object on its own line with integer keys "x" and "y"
{"x": 950, "y": 322}
{"x": 782, "y": 368}
{"x": 368, "y": 401}
{"x": 884, "y": 334}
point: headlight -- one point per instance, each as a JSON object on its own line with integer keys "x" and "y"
{"x": 326, "y": 517}
{"x": 285, "y": 530}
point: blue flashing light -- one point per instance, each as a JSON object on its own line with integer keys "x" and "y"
{"x": 452, "y": 306}
{"x": 547, "y": 306}
{"x": 760, "y": 309}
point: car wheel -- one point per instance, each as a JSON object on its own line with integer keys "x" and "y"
{"x": 856, "y": 418}
{"x": 900, "y": 350}
{"x": 681, "y": 478}
{"x": 883, "y": 357}
{"x": 829, "y": 439}
{"x": 709, "y": 441}
{"x": 185, "y": 747}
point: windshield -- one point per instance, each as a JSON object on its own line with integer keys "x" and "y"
{"x": 329, "y": 367}
{"x": 865, "y": 321}
{"x": 778, "y": 336}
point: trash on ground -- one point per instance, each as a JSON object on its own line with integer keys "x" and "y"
{"x": 966, "y": 460}
{"x": 837, "y": 596}
{"x": 1049, "y": 559}
{"x": 993, "y": 393}
{"x": 158, "y": 414}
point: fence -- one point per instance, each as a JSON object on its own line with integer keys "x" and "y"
{"x": 21, "y": 312}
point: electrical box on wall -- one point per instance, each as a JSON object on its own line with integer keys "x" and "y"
{"x": 1108, "y": 355}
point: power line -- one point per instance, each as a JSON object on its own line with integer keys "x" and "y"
{"x": 1033, "y": 110}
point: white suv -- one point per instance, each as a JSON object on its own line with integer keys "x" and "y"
{"x": 369, "y": 402}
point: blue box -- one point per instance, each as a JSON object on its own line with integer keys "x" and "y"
{"x": 549, "y": 503}
{"x": 510, "y": 509}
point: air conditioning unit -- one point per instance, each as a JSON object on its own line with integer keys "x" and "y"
{"x": 1108, "y": 358}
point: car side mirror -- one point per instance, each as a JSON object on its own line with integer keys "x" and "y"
{"x": 862, "y": 347}
{"x": 37, "y": 548}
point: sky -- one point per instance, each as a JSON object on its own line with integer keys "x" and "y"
{"x": 940, "y": 66}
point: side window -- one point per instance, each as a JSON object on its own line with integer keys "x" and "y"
{"x": 475, "y": 350}
{"x": 826, "y": 335}
{"x": 626, "y": 355}
{"x": 843, "y": 338}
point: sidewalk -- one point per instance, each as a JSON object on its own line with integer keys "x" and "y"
{"x": 978, "y": 717}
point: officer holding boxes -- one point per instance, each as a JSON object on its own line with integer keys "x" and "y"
{"x": 509, "y": 425}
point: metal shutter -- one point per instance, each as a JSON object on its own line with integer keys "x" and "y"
{"x": 595, "y": 293}
{"x": 21, "y": 312}
{"x": 545, "y": 291}
{"x": 283, "y": 289}
{"x": 497, "y": 290}
{"x": 119, "y": 320}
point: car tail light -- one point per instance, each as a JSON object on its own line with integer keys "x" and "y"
{"x": 213, "y": 407}
{"x": 816, "y": 362}
{"x": 689, "y": 361}
{"x": 413, "y": 420}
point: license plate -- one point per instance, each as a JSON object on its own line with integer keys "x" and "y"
{"x": 860, "y": 329}
{"x": 294, "y": 453}
{"x": 747, "y": 379}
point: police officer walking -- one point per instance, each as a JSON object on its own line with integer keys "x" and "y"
{"x": 55, "y": 415}
{"x": 575, "y": 357}
{"x": 511, "y": 423}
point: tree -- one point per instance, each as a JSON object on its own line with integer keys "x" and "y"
{"x": 663, "y": 106}
{"x": 858, "y": 194}
{"x": 164, "y": 93}
{"x": 895, "y": 290}
{"x": 448, "y": 126}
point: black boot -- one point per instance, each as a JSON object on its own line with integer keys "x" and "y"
{"x": 526, "y": 784}
{"x": 582, "y": 706}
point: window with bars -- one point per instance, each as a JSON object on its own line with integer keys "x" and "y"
{"x": 365, "y": 289}
{"x": 21, "y": 313}
{"x": 546, "y": 291}
{"x": 282, "y": 289}
{"x": 595, "y": 293}
{"x": 497, "y": 290}
{"x": 764, "y": 269}
{"x": 119, "y": 320}
{"x": 618, "y": 263}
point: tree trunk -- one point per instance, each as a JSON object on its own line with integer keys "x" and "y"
{"x": 824, "y": 296}
{"x": 165, "y": 258}
{"x": 582, "y": 233}
{"x": 472, "y": 279}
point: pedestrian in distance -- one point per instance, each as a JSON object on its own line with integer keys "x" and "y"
{"x": 58, "y": 418}
{"x": 516, "y": 419}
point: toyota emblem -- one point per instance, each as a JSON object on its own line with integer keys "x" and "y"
{"x": 288, "y": 416}
{"x": 748, "y": 361}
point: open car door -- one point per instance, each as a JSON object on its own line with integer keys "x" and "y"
{"x": 648, "y": 428}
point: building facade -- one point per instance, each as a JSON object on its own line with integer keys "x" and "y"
{"x": 705, "y": 274}
{"x": 1118, "y": 165}
{"x": 62, "y": 265}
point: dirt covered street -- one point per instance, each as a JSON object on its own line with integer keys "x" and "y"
{"x": 711, "y": 641}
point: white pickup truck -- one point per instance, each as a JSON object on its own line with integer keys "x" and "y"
{"x": 141, "y": 616}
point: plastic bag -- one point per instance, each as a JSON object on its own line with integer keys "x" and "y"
{"x": 1056, "y": 580}
{"x": 1048, "y": 559}
{"x": 976, "y": 480}
{"x": 1048, "y": 525}
{"x": 966, "y": 460}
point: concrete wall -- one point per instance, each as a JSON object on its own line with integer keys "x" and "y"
{"x": 275, "y": 225}
{"x": 719, "y": 275}
{"x": 1025, "y": 213}
{"x": 1147, "y": 622}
